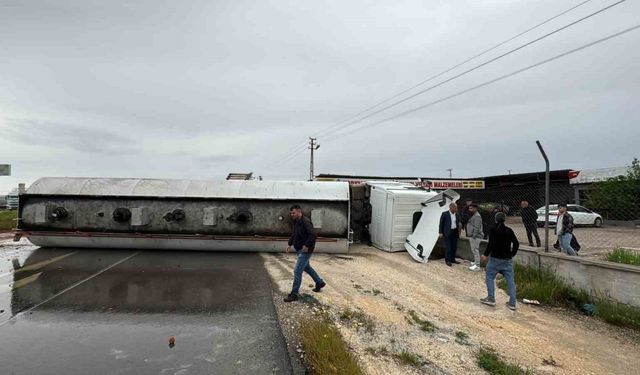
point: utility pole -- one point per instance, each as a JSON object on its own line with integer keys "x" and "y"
{"x": 450, "y": 172}
{"x": 546, "y": 196}
{"x": 312, "y": 146}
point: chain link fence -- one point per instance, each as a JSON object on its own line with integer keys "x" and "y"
{"x": 606, "y": 213}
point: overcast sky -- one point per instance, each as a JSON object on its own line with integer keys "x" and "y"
{"x": 198, "y": 89}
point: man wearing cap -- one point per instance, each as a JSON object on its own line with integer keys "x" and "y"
{"x": 564, "y": 230}
{"x": 475, "y": 234}
{"x": 502, "y": 247}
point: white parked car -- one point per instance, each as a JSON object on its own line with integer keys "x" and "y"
{"x": 581, "y": 215}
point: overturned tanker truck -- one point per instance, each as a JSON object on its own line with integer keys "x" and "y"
{"x": 180, "y": 214}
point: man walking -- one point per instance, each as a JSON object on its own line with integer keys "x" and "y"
{"x": 475, "y": 235}
{"x": 450, "y": 226}
{"x": 502, "y": 247}
{"x": 564, "y": 230}
{"x": 303, "y": 241}
{"x": 530, "y": 220}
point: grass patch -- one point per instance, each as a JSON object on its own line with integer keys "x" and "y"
{"x": 410, "y": 359}
{"x": 462, "y": 338}
{"x": 618, "y": 314}
{"x": 357, "y": 286}
{"x": 424, "y": 325}
{"x": 7, "y": 219}
{"x": 375, "y": 291}
{"x": 489, "y": 361}
{"x": 543, "y": 284}
{"x": 358, "y": 319}
{"x": 380, "y": 350}
{"x": 326, "y": 352}
{"x": 625, "y": 256}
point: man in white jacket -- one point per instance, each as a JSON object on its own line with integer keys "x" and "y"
{"x": 475, "y": 235}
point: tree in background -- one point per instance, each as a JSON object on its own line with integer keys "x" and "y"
{"x": 618, "y": 198}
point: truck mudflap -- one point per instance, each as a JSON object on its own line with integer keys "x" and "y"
{"x": 420, "y": 243}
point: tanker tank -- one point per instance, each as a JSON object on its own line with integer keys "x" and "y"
{"x": 180, "y": 214}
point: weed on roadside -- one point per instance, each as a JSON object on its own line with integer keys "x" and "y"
{"x": 624, "y": 256}
{"x": 489, "y": 361}
{"x": 326, "y": 352}
{"x": 8, "y": 219}
{"x": 424, "y": 325}
{"x": 545, "y": 286}
{"x": 408, "y": 358}
{"x": 358, "y": 319}
{"x": 376, "y": 351}
{"x": 462, "y": 338}
{"x": 550, "y": 362}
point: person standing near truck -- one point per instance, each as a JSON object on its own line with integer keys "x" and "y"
{"x": 502, "y": 247}
{"x": 475, "y": 235}
{"x": 530, "y": 220}
{"x": 449, "y": 230}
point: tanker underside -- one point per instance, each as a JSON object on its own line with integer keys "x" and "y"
{"x": 177, "y": 223}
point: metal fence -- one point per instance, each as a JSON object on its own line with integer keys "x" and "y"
{"x": 606, "y": 214}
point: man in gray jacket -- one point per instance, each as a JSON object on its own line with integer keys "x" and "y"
{"x": 475, "y": 235}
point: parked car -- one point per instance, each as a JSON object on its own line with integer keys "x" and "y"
{"x": 581, "y": 215}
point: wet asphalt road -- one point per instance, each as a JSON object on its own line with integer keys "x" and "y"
{"x": 68, "y": 311}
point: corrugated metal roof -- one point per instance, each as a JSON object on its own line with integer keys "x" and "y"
{"x": 136, "y": 187}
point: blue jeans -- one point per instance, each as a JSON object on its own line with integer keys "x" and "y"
{"x": 450, "y": 246}
{"x": 505, "y": 267}
{"x": 302, "y": 264}
{"x": 565, "y": 244}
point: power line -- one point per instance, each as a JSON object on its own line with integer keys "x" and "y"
{"x": 291, "y": 154}
{"x": 487, "y": 83}
{"x": 353, "y": 122}
{"x": 451, "y": 68}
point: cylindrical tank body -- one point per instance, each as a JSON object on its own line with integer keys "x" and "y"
{"x": 181, "y": 214}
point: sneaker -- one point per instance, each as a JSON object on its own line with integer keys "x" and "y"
{"x": 474, "y": 268}
{"x": 448, "y": 263}
{"x": 487, "y": 301}
{"x": 319, "y": 287}
{"x": 291, "y": 298}
{"x": 511, "y": 307}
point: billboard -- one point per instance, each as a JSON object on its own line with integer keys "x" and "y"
{"x": 452, "y": 184}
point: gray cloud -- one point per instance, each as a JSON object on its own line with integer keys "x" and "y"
{"x": 152, "y": 89}
{"x": 78, "y": 138}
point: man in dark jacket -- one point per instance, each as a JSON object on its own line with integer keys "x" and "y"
{"x": 503, "y": 245}
{"x": 449, "y": 231}
{"x": 303, "y": 241}
{"x": 564, "y": 230}
{"x": 530, "y": 220}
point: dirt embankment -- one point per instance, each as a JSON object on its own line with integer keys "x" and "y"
{"x": 432, "y": 311}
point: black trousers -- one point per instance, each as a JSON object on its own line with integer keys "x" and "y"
{"x": 450, "y": 246}
{"x": 532, "y": 231}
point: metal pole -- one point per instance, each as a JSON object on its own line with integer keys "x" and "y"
{"x": 313, "y": 147}
{"x": 546, "y": 198}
